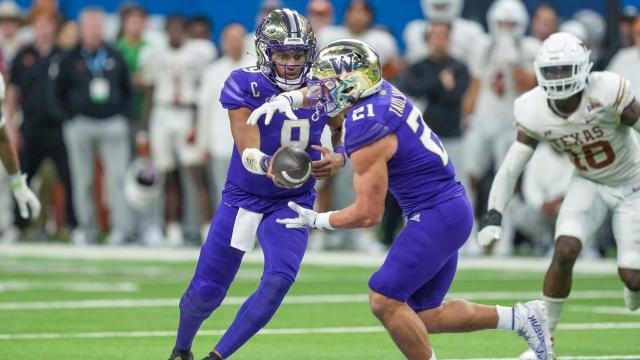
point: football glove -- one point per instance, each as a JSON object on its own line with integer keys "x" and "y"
{"x": 281, "y": 103}
{"x": 25, "y": 198}
{"x": 306, "y": 218}
{"x": 490, "y": 227}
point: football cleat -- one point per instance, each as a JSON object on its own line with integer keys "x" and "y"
{"x": 534, "y": 328}
{"x": 631, "y": 299}
{"x": 177, "y": 354}
{"x": 530, "y": 355}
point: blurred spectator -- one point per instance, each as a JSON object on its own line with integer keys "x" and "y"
{"x": 213, "y": 119}
{"x": 465, "y": 34}
{"x": 626, "y": 62}
{"x": 199, "y": 27}
{"x": 441, "y": 81}
{"x": 31, "y": 89}
{"x": 359, "y": 25}
{"x": 576, "y": 28}
{"x": 174, "y": 74}
{"x": 625, "y": 26}
{"x": 94, "y": 88}
{"x": 130, "y": 44}
{"x": 11, "y": 19}
{"x": 502, "y": 70}
{"x": 545, "y": 22}
{"x": 68, "y": 35}
{"x": 320, "y": 14}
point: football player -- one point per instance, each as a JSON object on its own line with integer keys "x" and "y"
{"x": 251, "y": 201}
{"x": 390, "y": 146}
{"x": 593, "y": 118}
{"x": 28, "y": 203}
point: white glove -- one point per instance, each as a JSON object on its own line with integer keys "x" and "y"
{"x": 281, "y": 103}
{"x": 25, "y": 198}
{"x": 490, "y": 227}
{"x": 489, "y": 234}
{"x": 306, "y": 218}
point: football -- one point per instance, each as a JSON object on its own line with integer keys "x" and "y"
{"x": 291, "y": 166}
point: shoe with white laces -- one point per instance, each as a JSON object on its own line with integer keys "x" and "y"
{"x": 534, "y": 329}
{"x": 631, "y": 299}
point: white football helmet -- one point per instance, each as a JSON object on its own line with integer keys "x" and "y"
{"x": 562, "y": 65}
{"x": 142, "y": 184}
{"x": 508, "y": 11}
{"x": 442, "y": 10}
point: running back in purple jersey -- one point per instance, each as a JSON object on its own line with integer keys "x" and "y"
{"x": 248, "y": 87}
{"x": 420, "y": 173}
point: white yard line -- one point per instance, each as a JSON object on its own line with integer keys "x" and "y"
{"x": 293, "y": 299}
{"x": 62, "y": 251}
{"x": 72, "y": 286}
{"x": 582, "y": 357}
{"x": 617, "y": 310}
{"x": 286, "y": 331}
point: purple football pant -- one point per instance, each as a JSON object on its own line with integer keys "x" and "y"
{"x": 218, "y": 264}
{"x": 422, "y": 261}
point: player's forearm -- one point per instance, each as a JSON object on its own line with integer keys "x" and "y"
{"x": 356, "y": 216}
{"x": 11, "y": 104}
{"x": 7, "y": 153}
{"x": 505, "y": 180}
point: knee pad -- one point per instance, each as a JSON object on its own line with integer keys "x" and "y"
{"x": 267, "y": 298}
{"x": 200, "y": 301}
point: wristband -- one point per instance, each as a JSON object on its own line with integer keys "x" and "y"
{"x": 295, "y": 98}
{"x": 16, "y": 181}
{"x": 322, "y": 221}
{"x": 252, "y": 161}
{"x": 264, "y": 163}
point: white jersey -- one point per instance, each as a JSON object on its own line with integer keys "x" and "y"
{"x": 176, "y": 73}
{"x": 465, "y": 36}
{"x": 601, "y": 148}
{"x": 492, "y": 65}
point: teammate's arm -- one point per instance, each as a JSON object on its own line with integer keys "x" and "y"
{"x": 503, "y": 185}
{"x": 631, "y": 115}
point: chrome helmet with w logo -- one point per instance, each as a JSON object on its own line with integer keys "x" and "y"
{"x": 285, "y": 47}
{"x": 344, "y": 72}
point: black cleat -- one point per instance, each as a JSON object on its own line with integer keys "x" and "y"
{"x": 212, "y": 356}
{"x": 177, "y": 354}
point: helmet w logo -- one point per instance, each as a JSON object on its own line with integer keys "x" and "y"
{"x": 344, "y": 64}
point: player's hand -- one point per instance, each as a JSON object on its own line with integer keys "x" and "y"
{"x": 280, "y": 103}
{"x": 490, "y": 227}
{"x": 273, "y": 177}
{"x": 327, "y": 166}
{"x": 306, "y": 217}
{"x": 25, "y": 198}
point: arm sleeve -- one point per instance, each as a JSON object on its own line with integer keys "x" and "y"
{"x": 364, "y": 132}
{"x": 505, "y": 180}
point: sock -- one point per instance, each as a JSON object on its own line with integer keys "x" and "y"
{"x": 254, "y": 314}
{"x": 433, "y": 355}
{"x": 554, "y": 308}
{"x": 506, "y": 318}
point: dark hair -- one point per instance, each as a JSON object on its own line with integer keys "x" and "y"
{"x": 365, "y": 4}
{"x": 202, "y": 19}
{"x": 175, "y": 18}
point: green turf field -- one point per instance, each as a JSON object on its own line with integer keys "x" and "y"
{"x": 81, "y": 309}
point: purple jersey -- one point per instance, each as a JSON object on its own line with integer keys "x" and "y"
{"x": 420, "y": 173}
{"x": 249, "y": 88}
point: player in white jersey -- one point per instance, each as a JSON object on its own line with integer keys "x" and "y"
{"x": 594, "y": 119}
{"x": 174, "y": 72}
{"x": 500, "y": 71}
{"x": 28, "y": 203}
{"x": 465, "y": 34}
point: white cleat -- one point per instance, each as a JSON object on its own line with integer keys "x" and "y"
{"x": 534, "y": 329}
{"x": 631, "y": 299}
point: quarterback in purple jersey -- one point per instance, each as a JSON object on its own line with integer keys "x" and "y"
{"x": 252, "y": 200}
{"x": 390, "y": 146}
